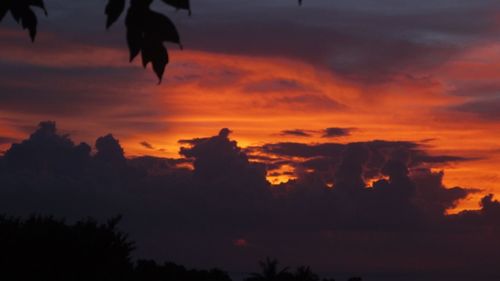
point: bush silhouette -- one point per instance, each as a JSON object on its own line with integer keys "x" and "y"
{"x": 270, "y": 272}
{"x": 46, "y": 249}
{"x": 43, "y": 248}
{"x": 148, "y": 270}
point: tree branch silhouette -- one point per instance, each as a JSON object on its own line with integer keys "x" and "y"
{"x": 147, "y": 30}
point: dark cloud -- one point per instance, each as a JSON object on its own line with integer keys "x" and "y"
{"x": 422, "y": 157}
{"x": 219, "y": 158}
{"x": 277, "y": 85}
{"x": 326, "y": 133}
{"x": 367, "y": 42}
{"x": 333, "y": 162}
{"x": 292, "y": 149}
{"x": 334, "y": 132}
{"x": 296, "y": 133}
{"x": 89, "y": 92}
{"x": 486, "y": 108}
{"x": 227, "y": 198}
{"x": 318, "y": 102}
{"x": 6, "y": 140}
{"x": 109, "y": 150}
{"x": 396, "y": 225}
{"x": 147, "y": 145}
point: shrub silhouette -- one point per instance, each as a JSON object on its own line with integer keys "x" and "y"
{"x": 304, "y": 273}
{"x": 46, "y": 249}
{"x": 43, "y": 248}
{"x": 270, "y": 272}
{"x": 148, "y": 270}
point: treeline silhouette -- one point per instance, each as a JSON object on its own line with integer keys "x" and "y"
{"x": 43, "y": 248}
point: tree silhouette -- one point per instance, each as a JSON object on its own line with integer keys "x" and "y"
{"x": 147, "y": 30}
{"x": 43, "y": 248}
{"x": 304, "y": 273}
{"x": 269, "y": 271}
{"x": 149, "y": 270}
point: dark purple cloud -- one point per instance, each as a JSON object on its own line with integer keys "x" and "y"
{"x": 297, "y": 133}
{"x": 370, "y": 42}
{"x": 485, "y": 108}
{"x": 226, "y": 197}
{"x": 396, "y": 230}
{"x": 334, "y": 132}
{"x": 6, "y": 140}
{"x": 146, "y": 145}
{"x": 277, "y": 85}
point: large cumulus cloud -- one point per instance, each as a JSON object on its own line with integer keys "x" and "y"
{"x": 192, "y": 209}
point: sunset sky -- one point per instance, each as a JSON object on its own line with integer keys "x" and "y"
{"x": 331, "y": 71}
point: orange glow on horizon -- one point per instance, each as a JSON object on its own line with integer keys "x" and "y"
{"x": 258, "y": 97}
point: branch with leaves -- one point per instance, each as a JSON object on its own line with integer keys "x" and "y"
{"x": 22, "y": 13}
{"x": 147, "y": 30}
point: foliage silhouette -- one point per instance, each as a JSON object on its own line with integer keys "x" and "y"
{"x": 147, "y": 30}
{"x": 43, "y": 248}
{"x": 23, "y": 14}
{"x": 270, "y": 271}
{"x": 304, "y": 273}
{"x": 148, "y": 270}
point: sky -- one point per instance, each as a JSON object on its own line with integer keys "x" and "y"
{"x": 309, "y": 95}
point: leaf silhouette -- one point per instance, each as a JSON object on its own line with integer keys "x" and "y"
{"x": 4, "y": 8}
{"x": 153, "y": 51}
{"x": 146, "y": 32}
{"x": 142, "y": 4}
{"x": 23, "y": 14}
{"x": 113, "y": 10}
{"x": 161, "y": 28}
{"x": 134, "y": 41}
{"x": 29, "y": 21}
{"x": 179, "y": 4}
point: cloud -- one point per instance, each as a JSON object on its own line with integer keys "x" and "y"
{"x": 372, "y": 44}
{"x": 277, "y": 85}
{"x": 296, "y": 133}
{"x": 6, "y": 140}
{"x": 486, "y": 108}
{"x": 225, "y": 196}
{"x": 146, "y": 145}
{"x": 319, "y": 102}
{"x": 334, "y": 132}
{"x": 387, "y": 199}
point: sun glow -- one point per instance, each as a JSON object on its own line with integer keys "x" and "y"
{"x": 259, "y": 97}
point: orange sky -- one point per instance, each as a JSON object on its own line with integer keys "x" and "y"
{"x": 258, "y": 97}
